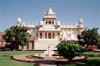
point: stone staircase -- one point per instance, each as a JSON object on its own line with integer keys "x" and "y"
{"x": 43, "y": 44}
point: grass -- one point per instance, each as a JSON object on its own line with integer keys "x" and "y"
{"x": 6, "y": 61}
{"x": 95, "y": 53}
{"x": 91, "y": 52}
{"x": 18, "y": 52}
{"x": 91, "y": 61}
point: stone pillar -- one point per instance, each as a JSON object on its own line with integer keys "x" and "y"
{"x": 75, "y": 34}
{"x": 44, "y": 35}
{"x": 47, "y": 22}
{"x": 54, "y": 23}
{"x": 70, "y": 34}
{"x": 44, "y": 22}
{"x": 47, "y": 35}
{"x": 51, "y": 35}
{"x": 38, "y": 34}
{"x": 55, "y": 35}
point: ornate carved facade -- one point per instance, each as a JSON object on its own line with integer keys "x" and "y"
{"x": 51, "y": 29}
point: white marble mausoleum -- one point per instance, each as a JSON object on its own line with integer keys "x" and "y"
{"x": 51, "y": 29}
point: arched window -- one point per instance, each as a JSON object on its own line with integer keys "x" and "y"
{"x": 49, "y": 22}
{"x": 52, "y": 22}
{"x": 46, "y": 22}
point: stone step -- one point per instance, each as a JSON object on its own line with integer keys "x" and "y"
{"x": 43, "y": 45}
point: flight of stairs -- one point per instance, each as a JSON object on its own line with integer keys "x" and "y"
{"x": 43, "y": 44}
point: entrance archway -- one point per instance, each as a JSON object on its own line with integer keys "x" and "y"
{"x": 49, "y": 35}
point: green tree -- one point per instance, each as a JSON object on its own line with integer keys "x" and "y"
{"x": 91, "y": 36}
{"x": 69, "y": 50}
{"x": 80, "y": 41}
{"x": 17, "y": 35}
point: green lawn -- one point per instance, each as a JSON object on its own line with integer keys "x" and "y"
{"x": 91, "y": 61}
{"x": 95, "y": 53}
{"x": 18, "y": 52}
{"x": 6, "y": 61}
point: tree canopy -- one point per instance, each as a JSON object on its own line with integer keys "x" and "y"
{"x": 69, "y": 50}
{"x": 90, "y": 36}
{"x": 17, "y": 35}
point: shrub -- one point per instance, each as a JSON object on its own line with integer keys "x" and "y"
{"x": 6, "y": 49}
{"x": 69, "y": 50}
{"x": 90, "y": 49}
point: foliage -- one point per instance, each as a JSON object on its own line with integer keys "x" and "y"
{"x": 90, "y": 36}
{"x": 80, "y": 40}
{"x": 17, "y": 35}
{"x": 90, "y": 49}
{"x": 69, "y": 50}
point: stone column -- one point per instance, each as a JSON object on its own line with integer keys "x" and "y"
{"x": 75, "y": 33}
{"x": 51, "y": 22}
{"x": 70, "y": 34}
{"x": 44, "y": 22}
{"x": 38, "y": 34}
{"x": 51, "y": 35}
{"x": 55, "y": 35}
{"x": 47, "y": 22}
{"x": 47, "y": 35}
{"x": 54, "y": 22}
{"x": 44, "y": 35}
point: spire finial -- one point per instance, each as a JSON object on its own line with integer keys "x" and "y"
{"x": 49, "y": 5}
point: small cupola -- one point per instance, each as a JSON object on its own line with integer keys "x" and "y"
{"x": 41, "y": 23}
{"x": 58, "y": 23}
{"x": 80, "y": 21}
{"x": 18, "y": 20}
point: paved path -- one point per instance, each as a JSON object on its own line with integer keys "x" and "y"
{"x": 48, "y": 61}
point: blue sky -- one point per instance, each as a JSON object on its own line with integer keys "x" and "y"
{"x": 33, "y": 11}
